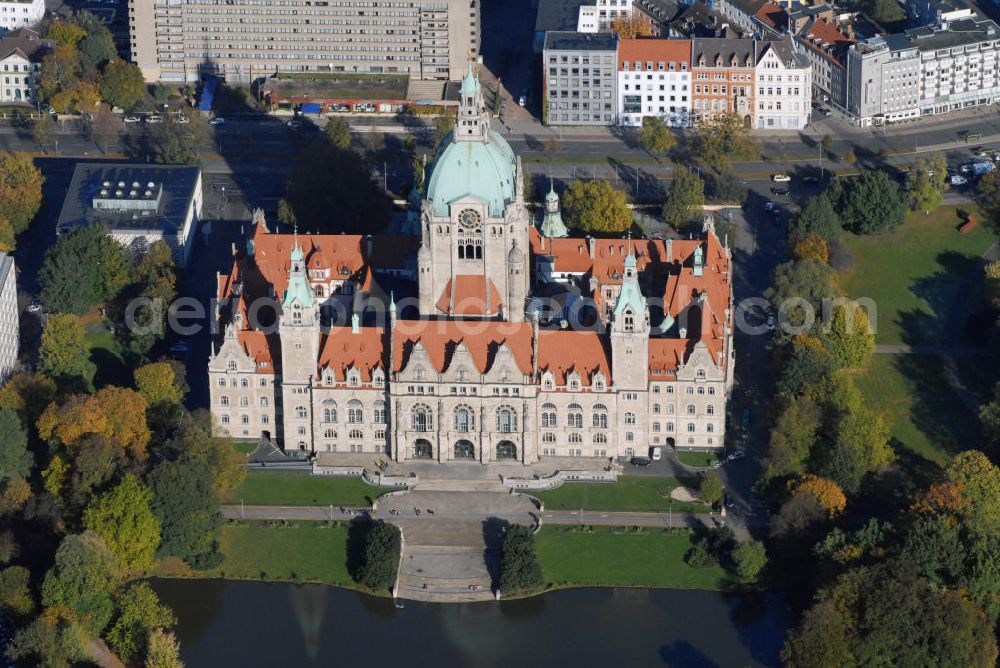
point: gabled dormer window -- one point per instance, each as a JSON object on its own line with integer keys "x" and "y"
{"x": 548, "y": 382}
{"x": 378, "y": 378}
{"x": 353, "y": 378}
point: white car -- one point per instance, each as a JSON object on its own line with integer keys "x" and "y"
{"x": 957, "y": 180}
{"x": 218, "y": 120}
{"x": 768, "y": 206}
{"x": 656, "y": 454}
{"x": 781, "y": 178}
{"x": 154, "y": 119}
{"x": 131, "y": 119}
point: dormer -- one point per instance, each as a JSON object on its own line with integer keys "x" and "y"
{"x": 573, "y": 381}
{"x": 548, "y": 381}
{"x": 353, "y": 377}
{"x": 328, "y": 376}
{"x": 599, "y": 382}
{"x": 378, "y": 377}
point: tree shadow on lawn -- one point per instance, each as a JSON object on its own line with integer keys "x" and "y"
{"x": 936, "y": 411}
{"x": 945, "y": 292}
{"x": 110, "y": 369}
{"x": 357, "y": 532}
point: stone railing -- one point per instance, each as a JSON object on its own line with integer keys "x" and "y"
{"x": 355, "y": 471}
{"x": 558, "y": 478}
{"x": 381, "y": 480}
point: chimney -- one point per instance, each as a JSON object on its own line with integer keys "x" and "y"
{"x": 592, "y": 245}
{"x": 670, "y": 250}
{"x": 368, "y": 246}
{"x": 355, "y": 324}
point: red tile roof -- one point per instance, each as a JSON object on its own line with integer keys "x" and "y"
{"x": 342, "y": 349}
{"x": 481, "y": 337}
{"x": 565, "y": 351}
{"x": 654, "y": 51}
{"x": 473, "y": 295}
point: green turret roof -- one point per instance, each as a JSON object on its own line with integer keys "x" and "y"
{"x": 298, "y": 287}
{"x": 470, "y": 84}
{"x": 483, "y": 170}
{"x": 553, "y": 226}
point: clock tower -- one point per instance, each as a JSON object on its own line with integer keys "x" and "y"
{"x": 472, "y": 219}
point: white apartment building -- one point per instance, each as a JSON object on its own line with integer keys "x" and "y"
{"x": 784, "y": 86}
{"x": 20, "y": 13}
{"x": 9, "y": 325}
{"x": 598, "y": 17}
{"x": 241, "y": 40}
{"x": 21, "y": 54}
{"x": 654, "y": 80}
{"x": 924, "y": 71}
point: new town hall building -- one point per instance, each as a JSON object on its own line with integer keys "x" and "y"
{"x": 468, "y": 367}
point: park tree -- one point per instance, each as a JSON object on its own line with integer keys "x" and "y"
{"x": 79, "y": 97}
{"x": 158, "y": 383}
{"x": 519, "y": 567}
{"x": 723, "y": 139}
{"x": 829, "y": 494}
{"x": 924, "y": 188}
{"x": 54, "y": 639}
{"x": 195, "y": 441}
{"x": 338, "y": 133}
{"x": 85, "y": 267}
{"x": 792, "y": 438}
{"x": 163, "y": 650}
{"x": 850, "y": 338}
{"x": 725, "y": 186}
{"x": 65, "y": 33}
{"x": 82, "y": 580}
{"x": 122, "y": 84}
{"x": 860, "y": 445}
{"x": 99, "y": 51}
{"x": 821, "y": 639}
{"x": 932, "y": 545}
{"x": 27, "y": 394}
{"x": 596, "y": 207}
{"x": 989, "y": 190}
{"x": 15, "y": 591}
{"x": 14, "y": 493}
{"x": 818, "y": 217}
{"x": 15, "y": 458}
{"x": 381, "y": 557}
{"x": 811, "y": 246}
{"x": 809, "y": 280}
{"x": 710, "y": 489}
{"x": 749, "y": 559}
{"x": 656, "y": 136}
{"x": 989, "y": 419}
{"x": 59, "y": 69}
{"x": 685, "y": 198}
{"x": 64, "y": 354}
{"x": 980, "y": 479}
{"x": 873, "y": 203}
{"x": 175, "y": 143}
{"x": 806, "y": 362}
{"x": 20, "y": 194}
{"x": 329, "y": 179}
{"x": 286, "y": 214}
{"x": 10, "y": 549}
{"x": 96, "y": 462}
{"x": 115, "y": 412}
{"x": 186, "y": 504}
{"x": 123, "y": 518}
{"x": 139, "y": 612}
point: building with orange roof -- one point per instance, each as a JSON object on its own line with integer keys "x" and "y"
{"x": 654, "y": 80}
{"x": 316, "y": 355}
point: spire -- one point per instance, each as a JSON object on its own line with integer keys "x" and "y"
{"x": 297, "y": 254}
{"x": 630, "y": 258}
{"x": 472, "y": 123}
{"x": 470, "y": 83}
{"x": 552, "y": 223}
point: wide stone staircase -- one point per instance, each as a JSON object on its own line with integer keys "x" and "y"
{"x": 447, "y": 561}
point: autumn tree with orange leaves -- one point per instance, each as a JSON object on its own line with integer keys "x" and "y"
{"x": 829, "y": 494}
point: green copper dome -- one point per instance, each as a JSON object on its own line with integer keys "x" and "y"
{"x": 470, "y": 84}
{"x": 486, "y": 171}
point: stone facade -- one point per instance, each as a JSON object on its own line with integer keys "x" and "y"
{"x": 317, "y": 356}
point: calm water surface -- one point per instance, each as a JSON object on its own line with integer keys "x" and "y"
{"x": 258, "y": 624}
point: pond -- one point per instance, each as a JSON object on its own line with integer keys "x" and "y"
{"x": 224, "y": 623}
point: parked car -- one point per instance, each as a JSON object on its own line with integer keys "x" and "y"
{"x": 180, "y": 347}
{"x": 522, "y": 99}
{"x": 35, "y": 306}
{"x": 768, "y": 206}
{"x": 739, "y": 454}
{"x": 957, "y": 180}
{"x": 294, "y": 124}
{"x": 154, "y": 118}
{"x": 779, "y": 191}
{"x": 218, "y": 120}
{"x": 656, "y": 453}
{"x": 781, "y": 178}
{"x": 640, "y": 462}
{"x": 810, "y": 179}
{"x": 131, "y": 119}
{"x": 339, "y": 107}
{"x": 181, "y": 118}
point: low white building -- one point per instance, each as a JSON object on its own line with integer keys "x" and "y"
{"x": 654, "y": 80}
{"x": 9, "y": 325}
{"x": 599, "y": 16}
{"x": 784, "y": 86}
{"x": 20, "y": 13}
{"x": 21, "y": 53}
{"x": 137, "y": 204}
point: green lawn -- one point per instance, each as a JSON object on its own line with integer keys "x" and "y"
{"x": 699, "y": 459}
{"x": 107, "y": 355}
{"x": 655, "y": 559}
{"x": 926, "y": 417}
{"x": 913, "y": 274}
{"x": 307, "y": 552}
{"x": 637, "y": 493}
{"x": 245, "y": 448}
{"x": 299, "y": 488}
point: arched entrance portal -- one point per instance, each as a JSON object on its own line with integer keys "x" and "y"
{"x": 506, "y": 450}
{"x": 422, "y": 449}
{"x": 465, "y": 450}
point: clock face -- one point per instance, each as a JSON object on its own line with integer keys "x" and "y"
{"x": 469, "y": 218}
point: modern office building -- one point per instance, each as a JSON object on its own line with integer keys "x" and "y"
{"x": 579, "y": 74}
{"x": 9, "y": 323}
{"x": 21, "y": 53}
{"x": 654, "y": 80}
{"x": 825, "y": 45}
{"x": 242, "y": 40}
{"x": 137, "y": 204}
{"x": 20, "y": 14}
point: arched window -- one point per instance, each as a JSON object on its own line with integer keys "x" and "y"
{"x": 670, "y": 426}
{"x": 506, "y": 420}
{"x": 464, "y": 422}
{"x": 548, "y": 437}
{"x": 656, "y": 408}
{"x": 670, "y": 389}
{"x": 630, "y": 418}
{"x": 701, "y": 391}
{"x": 710, "y": 409}
{"x": 300, "y": 412}
{"x": 689, "y": 390}
{"x": 244, "y": 382}
{"x": 575, "y": 437}
{"x": 329, "y": 433}
{"x": 355, "y": 435}
{"x": 600, "y": 438}
{"x": 691, "y": 410}
{"x": 329, "y": 410}
{"x": 222, "y": 382}
{"x": 355, "y": 412}
{"x": 379, "y": 412}
{"x": 700, "y": 373}
{"x": 575, "y": 416}
{"x": 600, "y": 416}
{"x": 244, "y": 401}
{"x": 548, "y": 416}
{"x": 224, "y": 400}
{"x": 421, "y": 418}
